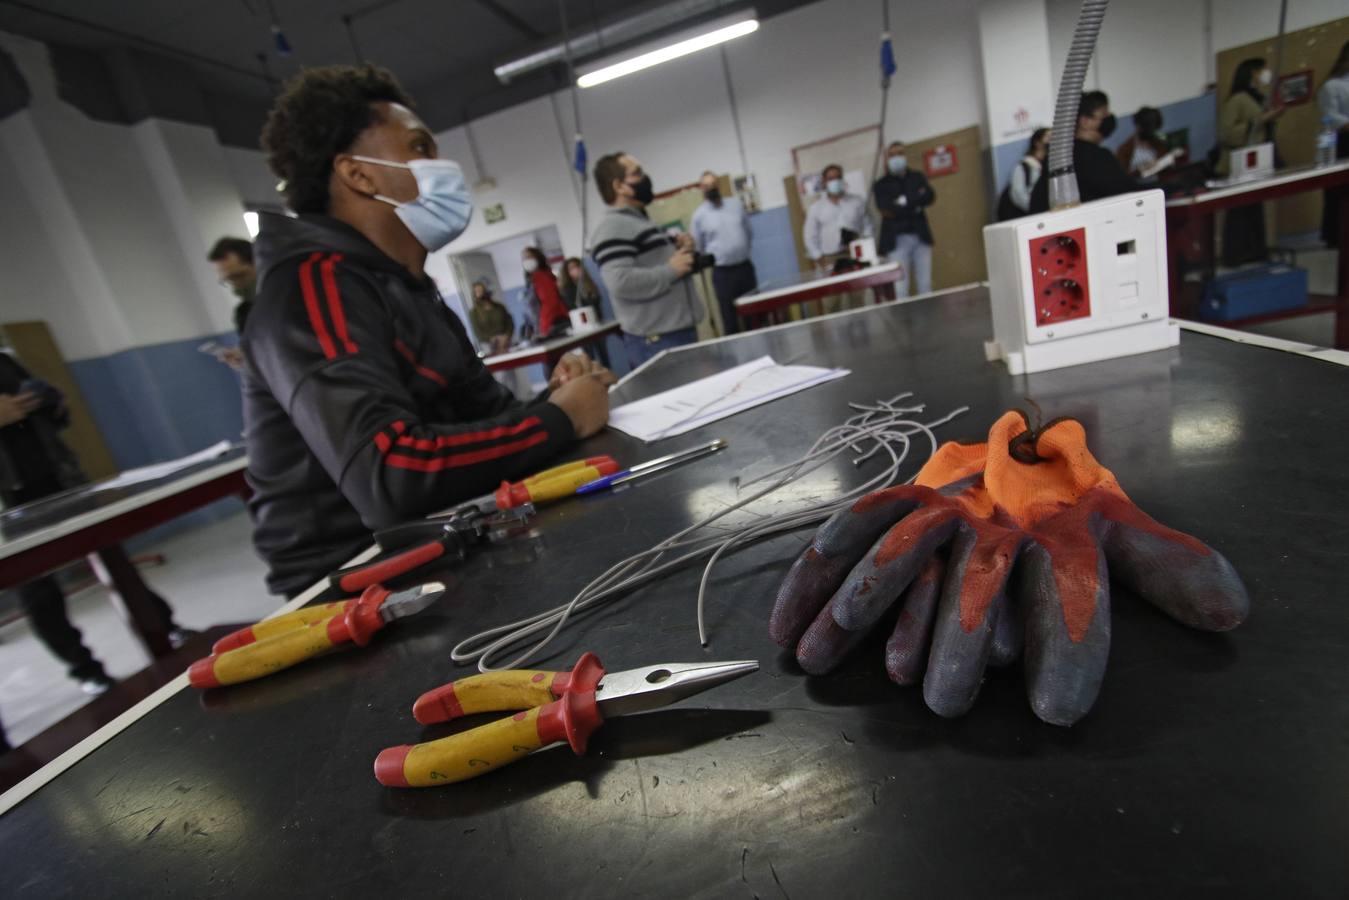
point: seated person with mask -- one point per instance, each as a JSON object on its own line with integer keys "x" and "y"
{"x": 365, "y": 403}
{"x": 1099, "y": 173}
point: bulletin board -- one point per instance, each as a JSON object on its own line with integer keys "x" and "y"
{"x": 957, "y": 218}
{"x": 1307, "y": 49}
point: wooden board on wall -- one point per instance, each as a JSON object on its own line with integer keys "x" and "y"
{"x": 961, "y": 211}
{"x": 1313, "y": 49}
{"x": 33, "y": 344}
{"x": 957, "y": 218}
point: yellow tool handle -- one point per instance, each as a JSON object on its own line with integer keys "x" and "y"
{"x": 560, "y": 486}
{"x": 492, "y": 692}
{"x": 264, "y": 657}
{"x": 460, "y": 756}
{"x": 556, "y": 471}
{"x": 301, "y": 617}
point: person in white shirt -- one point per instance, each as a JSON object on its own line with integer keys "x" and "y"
{"x": 831, "y": 222}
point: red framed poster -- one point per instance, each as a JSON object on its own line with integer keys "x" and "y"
{"x": 941, "y": 160}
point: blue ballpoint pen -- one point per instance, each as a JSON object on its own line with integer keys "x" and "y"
{"x": 650, "y": 466}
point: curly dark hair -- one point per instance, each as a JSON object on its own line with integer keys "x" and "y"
{"x": 320, "y": 114}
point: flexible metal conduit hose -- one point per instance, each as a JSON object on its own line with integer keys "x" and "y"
{"x": 1062, "y": 177}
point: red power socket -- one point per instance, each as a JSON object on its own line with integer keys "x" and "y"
{"x": 1058, "y": 265}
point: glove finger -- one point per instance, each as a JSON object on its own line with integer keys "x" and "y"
{"x": 836, "y": 547}
{"x": 872, "y": 587}
{"x": 1008, "y": 630}
{"x": 1066, "y": 596}
{"x": 1180, "y": 575}
{"x": 906, "y": 651}
{"x": 976, "y": 573}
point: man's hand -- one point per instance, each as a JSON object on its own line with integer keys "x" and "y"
{"x": 681, "y": 263}
{"x": 16, "y": 407}
{"x": 576, "y": 364}
{"x": 684, "y": 241}
{"x": 585, "y": 400}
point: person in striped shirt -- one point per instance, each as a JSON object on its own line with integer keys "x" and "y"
{"x": 365, "y": 403}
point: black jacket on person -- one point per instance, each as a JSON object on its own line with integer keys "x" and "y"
{"x": 365, "y": 403}
{"x": 34, "y": 461}
{"x": 907, "y": 217}
{"x": 1099, "y": 174}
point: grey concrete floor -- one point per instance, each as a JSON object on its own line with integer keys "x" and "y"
{"x": 210, "y": 576}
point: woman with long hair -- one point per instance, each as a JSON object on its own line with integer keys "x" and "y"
{"x": 542, "y": 298}
{"x": 1244, "y": 122}
{"x": 575, "y": 284}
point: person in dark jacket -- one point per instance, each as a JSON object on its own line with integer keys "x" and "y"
{"x": 365, "y": 403}
{"x": 902, "y": 196}
{"x": 1099, "y": 173}
{"x": 35, "y": 463}
{"x": 576, "y": 286}
{"x": 492, "y": 323}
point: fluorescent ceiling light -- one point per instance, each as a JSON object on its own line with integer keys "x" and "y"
{"x": 251, "y": 223}
{"x": 667, "y": 53}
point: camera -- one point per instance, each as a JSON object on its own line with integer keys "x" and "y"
{"x": 703, "y": 261}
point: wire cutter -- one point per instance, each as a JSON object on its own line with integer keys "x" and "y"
{"x": 411, "y": 545}
{"x": 282, "y": 642}
{"x": 559, "y": 706}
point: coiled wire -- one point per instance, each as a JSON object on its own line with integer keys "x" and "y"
{"x": 882, "y": 428}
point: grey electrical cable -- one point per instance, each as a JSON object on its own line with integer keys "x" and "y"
{"x": 884, "y": 425}
{"x": 735, "y": 109}
{"x": 1062, "y": 176}
{"x": 580, "y": 177}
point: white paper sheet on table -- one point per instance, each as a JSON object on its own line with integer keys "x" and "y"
{"x": 159, "y": 470}
{"x": 706, "y": 400}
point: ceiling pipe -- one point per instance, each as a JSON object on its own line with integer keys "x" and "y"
{"x": 681, "y": 13}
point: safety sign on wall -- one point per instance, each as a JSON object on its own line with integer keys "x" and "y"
{"x": 941, "y": 160}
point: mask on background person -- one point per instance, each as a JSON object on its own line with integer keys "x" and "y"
{"x": 641, "y": 191}
{"x": 440, "y": 211}
{"x": 835, "y": 187}
{"x": 531, "y": 264}
{"x": 713, "y": 195}
{"x": 1108, "y": 125}
{"x": 897, "y": 165}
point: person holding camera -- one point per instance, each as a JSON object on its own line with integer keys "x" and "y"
{"x": 645, "y": 270}
{"x": 721, "y": 230}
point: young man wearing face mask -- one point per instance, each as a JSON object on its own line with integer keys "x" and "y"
{"x": 1099, "y": 173}
{"x": 720, "y": 227}
{"x": 902, "y": 195}
{"x": 833, "y": 220}
{"x": 645, "y": 270}
{"x": 365, "y": 402}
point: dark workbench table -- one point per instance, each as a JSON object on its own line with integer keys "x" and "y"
{"x": 1211, "y": 765}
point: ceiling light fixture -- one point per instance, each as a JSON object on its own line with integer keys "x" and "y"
{"x": 670, "y": 51}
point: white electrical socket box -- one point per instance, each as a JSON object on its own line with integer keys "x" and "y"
{"x": 1080, "y": 284}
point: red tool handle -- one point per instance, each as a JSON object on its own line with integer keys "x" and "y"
{"x": 358, "y": 578}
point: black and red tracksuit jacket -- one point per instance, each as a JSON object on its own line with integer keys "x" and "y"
{"x": 365, "y": 403}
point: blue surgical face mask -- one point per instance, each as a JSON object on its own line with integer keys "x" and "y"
{"x": 897, "y": 165}
{"x": 834, "y": 186}
{"x": 443, "y": 204}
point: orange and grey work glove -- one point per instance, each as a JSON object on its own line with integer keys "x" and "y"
{"x": 946, "y": 546}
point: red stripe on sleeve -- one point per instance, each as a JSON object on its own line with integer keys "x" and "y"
{"x": 382, "y": 442}
{"x": 457, "y": 460}
{"x": 429, "y": 374}
{"x": 469, "y": 437}
{"x": 311, "y": 305}
{"x": 335, "y": 302}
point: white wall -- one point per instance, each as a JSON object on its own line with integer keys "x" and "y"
{"x": 806, "y": 75}
{"x": 112, "y": 222}
{"x": 1156, "y": 51}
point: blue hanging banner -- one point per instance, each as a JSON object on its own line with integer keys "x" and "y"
{"x": 579, "y": 162}
{"x": 887, "y": 58}
{"x": 279, "y": 39}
